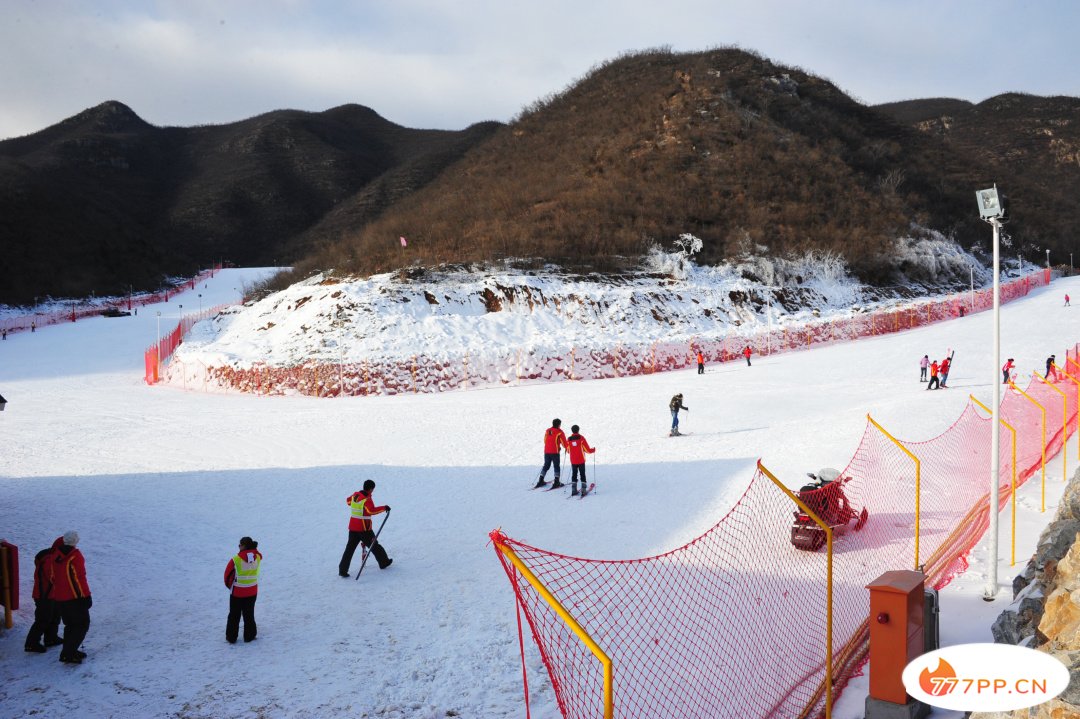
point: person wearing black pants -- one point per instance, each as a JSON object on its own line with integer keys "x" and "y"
{"x": 72, "y": 594}
{"x": 242, "y": 580}
{"x": 45, "y": 631}
{"x": 362, "y": 508}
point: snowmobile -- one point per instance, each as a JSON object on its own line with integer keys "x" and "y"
{"x": 825, "y": 496}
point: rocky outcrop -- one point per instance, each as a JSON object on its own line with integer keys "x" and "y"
{"x": 1045, "y": 613}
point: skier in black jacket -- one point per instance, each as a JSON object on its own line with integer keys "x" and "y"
{"x": 675, "y": 405}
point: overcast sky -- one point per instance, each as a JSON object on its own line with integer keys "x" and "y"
{"x": 449, "y": 63}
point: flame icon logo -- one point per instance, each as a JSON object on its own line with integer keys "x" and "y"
{"x": 939, "y": 682}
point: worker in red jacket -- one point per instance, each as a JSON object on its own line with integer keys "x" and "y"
{"x": 362, "y": 507}
{"x": 554, "y": 442}
{"x": 1006, "y": 369}
{"x": 746, "y": 354}
{"x": 67, "y": 574}
{"x": 578, "y": 447}
{"x": 46, "y": 616}
{"x": 242, "y": 581}
{"x": 700, "y": 363}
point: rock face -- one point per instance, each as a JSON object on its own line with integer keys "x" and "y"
{"x": 1045, "y": 613}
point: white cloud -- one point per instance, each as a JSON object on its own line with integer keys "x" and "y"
{"x": 423, "y": 63}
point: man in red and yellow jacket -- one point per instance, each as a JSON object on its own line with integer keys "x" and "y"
{"x": 67, "y": 574}
{"x": 242, "y": 579}
{"x": 554, "y": 442}
{"x": 46, "y": 615}
{"x": 578, "y": 447}
{"x": 362, "y": 506}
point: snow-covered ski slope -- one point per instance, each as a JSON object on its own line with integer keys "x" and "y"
{"x": 160, "y": 483}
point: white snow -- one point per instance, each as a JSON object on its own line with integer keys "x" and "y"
{"x": 161, "y": 482}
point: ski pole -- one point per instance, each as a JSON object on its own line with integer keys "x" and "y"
{"x": 373, "y": 543}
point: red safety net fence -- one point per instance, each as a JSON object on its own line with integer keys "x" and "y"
{"x": 73, "y": 310}
{"x": 157, "y": 354}
{"x": 735, "y": 622}
{"x": 445, "y": 372}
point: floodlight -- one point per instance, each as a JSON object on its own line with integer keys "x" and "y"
{"x": 989, "y": 204}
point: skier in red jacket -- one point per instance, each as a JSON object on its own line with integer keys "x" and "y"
{"x": 72, "y": 596}
{"x": 554, "y": 440}
{"x": 746, "y": 354}
{"x": 242, "y": 579}
{"x": 362, "y": 507}
{"x": 578, "y": 447}
{"x": 1006, "y": 369}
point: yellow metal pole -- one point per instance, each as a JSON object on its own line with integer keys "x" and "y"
{"x": 918, "y": 481}
{"x": 1012, "y": 431}
{"x": 828, "y": 584}
{"x": 1064, "y": 428}
{"x": 1043, "y": 410}
{"x": 605, "y": 660}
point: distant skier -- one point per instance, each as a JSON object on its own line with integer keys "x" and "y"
{"x": 675, "y": 405}
{"x": 554, "y": 442}
{"x": 700, "y": 363}
{"x": 578, "y": 448}
{"x": 933, "y": 384}
{"x": 1066, "y": 300}
{"x": 1051, "y": 368}
{"x": 1006, "y": 370}
{"x": 746, "y": 354}
{"x": 242, "y": 580}
{"x": 363, "y": 507}
{"x": 924, "y": 364}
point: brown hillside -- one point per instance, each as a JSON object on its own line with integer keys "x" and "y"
{"x": 1032, "y": 145}
{"x": 722, "y": 144}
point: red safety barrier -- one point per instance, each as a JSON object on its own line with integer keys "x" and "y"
{"x": 439, "y": 373}
{"x": 733, "y": 623}
{"x": 72, "y": 311}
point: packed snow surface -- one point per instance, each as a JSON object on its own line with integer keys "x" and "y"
{"x": 160, "y": 483}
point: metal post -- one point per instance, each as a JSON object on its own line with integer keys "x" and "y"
{"x": 995, "y": 443}
{"x": 971, "y": 271}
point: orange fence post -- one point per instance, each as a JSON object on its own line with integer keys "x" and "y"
{"x": 1064, "y": 428}
{"x": 918, "y": 480}
{"x": 1043, "y": 410}
{"x": 1012, "y": 431}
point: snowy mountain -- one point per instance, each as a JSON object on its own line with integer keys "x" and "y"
{"x": 161, "y": 482}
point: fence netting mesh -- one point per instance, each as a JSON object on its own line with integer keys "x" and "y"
{"x": 734, "y": 623}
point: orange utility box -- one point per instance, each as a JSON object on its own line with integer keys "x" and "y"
{"x": 896, "y": 631}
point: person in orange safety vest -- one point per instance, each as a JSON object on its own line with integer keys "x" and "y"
{"x": 242, "y": 579}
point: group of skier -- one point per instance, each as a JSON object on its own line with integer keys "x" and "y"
{"x": 939, "y": 371}
{"x": 555, "y": 441}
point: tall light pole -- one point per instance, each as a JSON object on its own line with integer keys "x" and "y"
{"x": 159, "y": 340}
{"x": 990, "y": 210}
{"x": 1048, "y": 258}
{"x": 971, "y": 273}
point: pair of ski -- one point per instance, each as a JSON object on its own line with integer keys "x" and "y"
{"x": 586, "y": 491}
